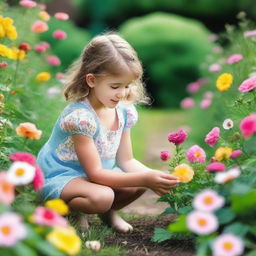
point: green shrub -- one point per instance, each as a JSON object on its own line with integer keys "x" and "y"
{"x": 171, "y": 48}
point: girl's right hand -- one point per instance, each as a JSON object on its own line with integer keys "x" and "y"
{"x": 160, "y": 182}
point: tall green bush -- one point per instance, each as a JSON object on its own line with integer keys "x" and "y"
{"x": 171, "y": 48}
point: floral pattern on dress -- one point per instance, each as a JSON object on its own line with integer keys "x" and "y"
{"x": 132, "y": 116}
{"x": 79, "y": 121}
{"x": 66, "y": 151}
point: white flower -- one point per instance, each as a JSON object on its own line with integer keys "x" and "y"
{"x": 93, "y": 245}
{"x": 228, "y": 124}
{"x": 227, "y": 245}
{"x": 223, "y": 177}
{"x": 208, "y": 200}
{"x": 21, "y": 173}
{"x": 53, "y": 91}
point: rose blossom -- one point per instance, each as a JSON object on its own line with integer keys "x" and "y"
{"x": 234, "y": 58}
{"x": 165, "y": 156}
{"x": 248, "y": 85}
{"x": 187, "y": 103}
{"x": 195, "y": 154}
{"x": 248, "y": 125}
{"x": 216, "y": 167}
{"x": 177, "y": 137}
{"x": 213, "y": 136}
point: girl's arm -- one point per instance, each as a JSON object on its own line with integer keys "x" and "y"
{"x": 89, "y": 158}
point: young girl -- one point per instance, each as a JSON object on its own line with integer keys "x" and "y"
{"x": 88, "y": 160}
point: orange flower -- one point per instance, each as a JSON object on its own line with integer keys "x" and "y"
{"x": 28, "y": 130}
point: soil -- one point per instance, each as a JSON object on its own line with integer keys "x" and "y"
{"x": 139, "y": 243}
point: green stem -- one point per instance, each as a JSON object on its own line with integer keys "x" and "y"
{"x": 16, "y": 73}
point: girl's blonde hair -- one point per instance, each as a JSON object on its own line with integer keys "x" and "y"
{"x": 105, "y": 54}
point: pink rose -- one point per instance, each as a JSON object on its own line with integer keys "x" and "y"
{"x": 177, "y": 137}
{"x": 213, "y": 136}
{"x": 248, "y": 125}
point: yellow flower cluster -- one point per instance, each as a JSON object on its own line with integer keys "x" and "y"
{"x": 224, "y": 82}
{"x": 184, "y": 173}
{"x": 7, "y": 28}
{"x": 223, "y": 153}
{"x": 12, "y": 53}
{"x": 57, "y": 205}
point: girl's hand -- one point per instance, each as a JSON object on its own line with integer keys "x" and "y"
{"x": 160, "y": 182}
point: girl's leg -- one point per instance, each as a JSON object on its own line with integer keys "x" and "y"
{"x": 123, "y": 197}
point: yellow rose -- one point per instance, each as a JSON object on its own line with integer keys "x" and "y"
{"x": 57, "y": 205}
{"x": 223, "y": 153}
{"x": 184, "y": 173}
{"x": 65, "y": 239}
{"x": 224, "y": 82}
{"x": 43, "y": 76}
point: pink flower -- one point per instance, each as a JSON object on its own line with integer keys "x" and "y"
{"x": 3, "y": 64}
{"x": 177, "y": 137}
{"x": 11, "y": 229}
{"x": 46, "y": 45}
{"x": 59, "y": 75}
{"x": 205, "y": 103}
{"x": 195, "y": 154}
{"x": 248, "y": 84}
{"x": 236, "y": 153}
{"x": 215, "y": 68}
{"x": 234, "y": 58}
{"x": 187, "y": 103}
{"x": 39, "y": 27}
{"x": 53, "y": 60}
{"x": 213, "y": 136}
{"x": 248, "y": 125}
{"x": 208, "y": 95}
{"x": 250, "y": 33}
{"x": 61, "y": 16}
{"x": 27, "y": 3}
{"x": 193, "y": 87}
{"x": 202, "y": 223}
{"x": 48, "y": 217}
{"x": 224, "y": 177}
{"x": 23, "y": 157}
{"x": 165, "y": 156}
{"x": 6, "y": 189}
{"x": 216, "y": 167}
{"x": 39, "y": 48}
{"x": 208, "y": 200}
{"x": 38, "y": 181}
{"x": 59, "y": 34}
{"x": 227, "y": 245}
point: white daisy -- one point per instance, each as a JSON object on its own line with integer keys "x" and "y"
{"x": 21, "y": 173}
{"x": 223, "y": 177}
{"x": 228, "y": 124}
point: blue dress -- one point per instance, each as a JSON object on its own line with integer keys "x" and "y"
{"x": 58, "y": 158}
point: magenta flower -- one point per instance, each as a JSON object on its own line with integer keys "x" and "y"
{"x": 215, "y": 68}
{"x": 27, "y": 3}
{"x": 53, "y": 60}
{"x": 195, "y": 154}
{"x": 165, "y": 156}
{"x": 205, "y": 103}
{"x": 250, "y": 33}
{"x": 216, "y": 167}
{"x": 236, "y": 153}
{"x": 187, "y": 103}
{"x": 177, "y": 137}
{"x": 39, "y": 27}
{"x": 3, "y": 64}
{"x": 193, "y": 87}
{"x": 11, "y": 229}
{"x": 23, "y": 157}
{"x": 38, "y": 181}
{"x": 234, "y": 58}
{"x": 48, "y": 217}
{"x": 59, "y": 34}
{"x": 39, "y": 48}
{"x": 213, "y": 136}
{"x": 61, "y": 16}
{"x": 248, "y": 125}
{"x": 248, "y": 85}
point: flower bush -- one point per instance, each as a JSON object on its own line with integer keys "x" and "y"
{"x": 219, "y": 211}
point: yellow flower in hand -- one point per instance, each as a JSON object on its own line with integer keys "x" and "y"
{"x": 57, "y": 205}
{"x": 65, "y": 239}
{"x": 223, "y": 153}
{"x": 184, "y": 173}
{"x": 224, "y": 82}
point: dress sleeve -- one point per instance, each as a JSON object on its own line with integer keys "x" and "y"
{"x": 131, "y": 117}
{"x": 79, "y": 121}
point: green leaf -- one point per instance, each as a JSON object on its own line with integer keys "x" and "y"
{"x": 161, "y": 235}
{"x": 237, "y": 228}
{"x": 168, "y": 210}
{"x": 239, "y": 188}
{"x": 202, "y": 249}
{"x": 251, "y": 253}
{"x": 225, "y": 215}
{"x": 48, "y": 249}
{"x": 21, "y": 249}
{"x": 185, "y": 209}
{"x": 179, "y": 225}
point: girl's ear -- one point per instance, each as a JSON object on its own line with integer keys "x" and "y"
{"x": 90, "y": 80}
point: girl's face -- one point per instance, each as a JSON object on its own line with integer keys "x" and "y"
{"x": 108, "y": 90}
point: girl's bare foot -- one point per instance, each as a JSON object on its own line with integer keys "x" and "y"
{"x": 112, "y": 219}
